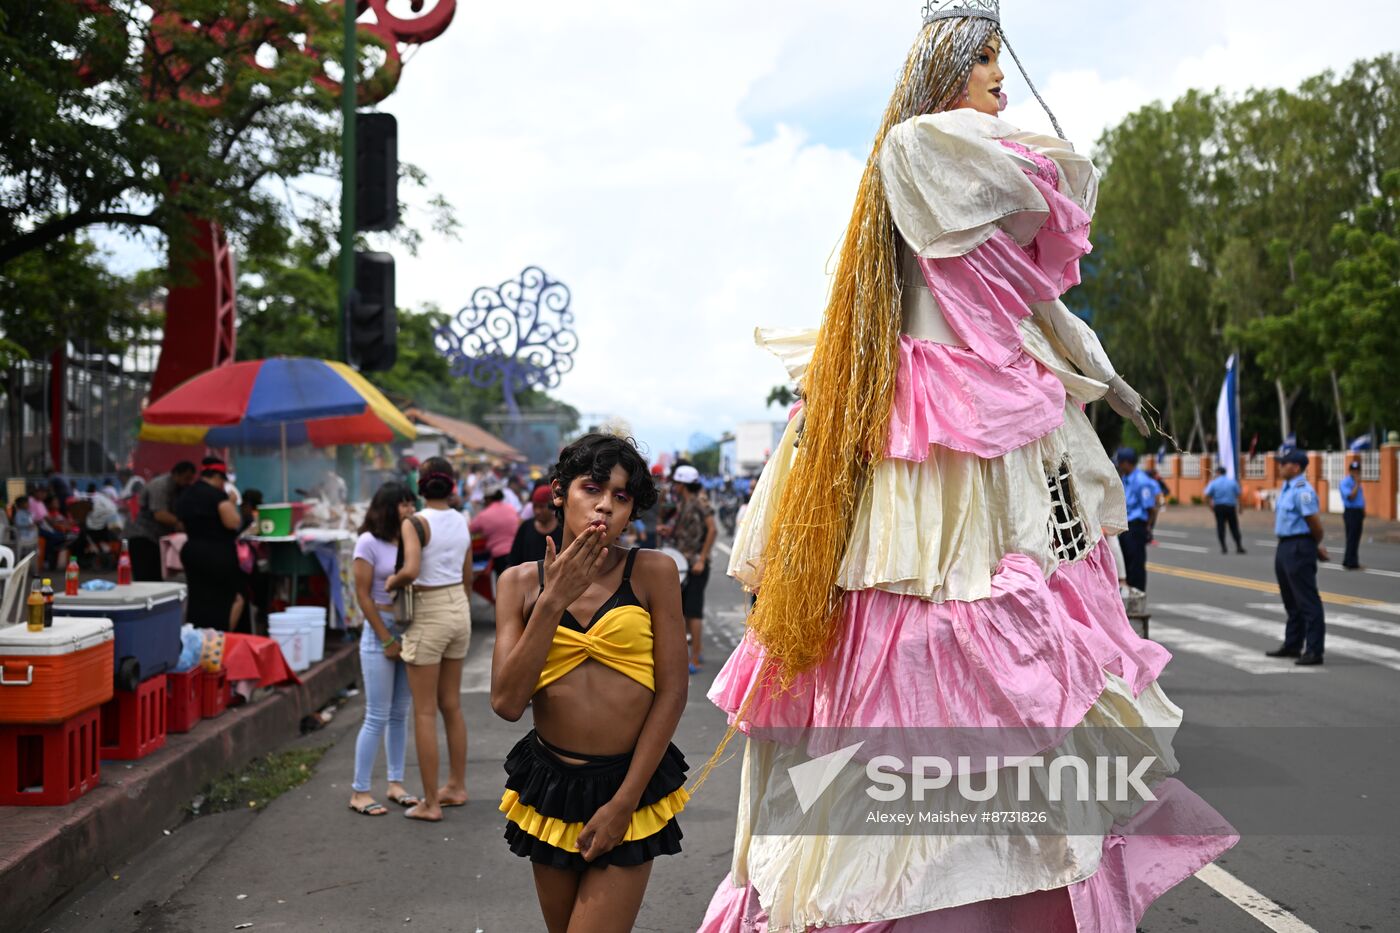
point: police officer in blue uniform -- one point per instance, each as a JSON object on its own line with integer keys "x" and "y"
{"x": 1353, "y": 514}
{"x": 1300, "y": 547}
{"x": 1223, "y": 496}
{"x": 1140, "y": 491}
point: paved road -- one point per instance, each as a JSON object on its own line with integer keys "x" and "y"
{"x": 1262, "y": 741}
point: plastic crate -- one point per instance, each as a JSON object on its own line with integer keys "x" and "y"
{"x": 51, "y": 676}
{"x": 217, "y": 691}
{"x": 133, "y": 721}
{"x": 184, "y": 700}
{"x": 49, "y": 765}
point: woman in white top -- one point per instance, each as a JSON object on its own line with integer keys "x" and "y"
{"x": 436, "y": 640}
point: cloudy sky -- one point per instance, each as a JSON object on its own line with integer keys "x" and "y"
{"x": 687, "y": 167}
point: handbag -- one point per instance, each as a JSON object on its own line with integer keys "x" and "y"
{"x": 245, "y": 556}
{"x": 403, "y": 597}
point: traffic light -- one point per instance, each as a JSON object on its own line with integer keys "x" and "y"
{"x": 374, "y": 319}
{"x": 376, "y": 172}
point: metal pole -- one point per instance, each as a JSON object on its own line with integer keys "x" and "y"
{"x": 345, "y": 464}
{"x": 285, "y": 494}
{"x": 349, "y": 65}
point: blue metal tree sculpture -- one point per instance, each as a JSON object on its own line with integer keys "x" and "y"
{"x": 518, "y": 335}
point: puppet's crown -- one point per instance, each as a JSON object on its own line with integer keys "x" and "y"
{"x": 952, "y": 9}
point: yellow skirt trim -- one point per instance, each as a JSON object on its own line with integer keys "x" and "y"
{"x": 647, "y": 821}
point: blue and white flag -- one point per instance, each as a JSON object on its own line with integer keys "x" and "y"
{"x": 1227, "y": 427}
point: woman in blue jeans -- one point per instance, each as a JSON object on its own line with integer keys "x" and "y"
{"x": 385, "y": 678}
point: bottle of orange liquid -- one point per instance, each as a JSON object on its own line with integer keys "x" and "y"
{"x": 70, "y": 578}
{"x": 34, "y": 606}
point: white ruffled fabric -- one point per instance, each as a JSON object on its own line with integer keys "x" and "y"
{"x": 925, "y": 158}
{"x": 937, "y": 529}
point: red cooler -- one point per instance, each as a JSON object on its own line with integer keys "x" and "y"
{"x": 51, "y": 676}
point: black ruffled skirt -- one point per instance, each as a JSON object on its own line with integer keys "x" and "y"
{"x": 547, "y": 803}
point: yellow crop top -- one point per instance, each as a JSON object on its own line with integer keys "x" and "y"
{"x": 619, "y": 636}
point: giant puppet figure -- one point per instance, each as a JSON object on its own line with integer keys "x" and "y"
{"x": 929, "y": 548}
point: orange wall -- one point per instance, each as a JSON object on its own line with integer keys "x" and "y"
{"x": 1380, "y": 494}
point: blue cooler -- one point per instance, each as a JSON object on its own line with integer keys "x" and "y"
{"x": 146, "y": 618}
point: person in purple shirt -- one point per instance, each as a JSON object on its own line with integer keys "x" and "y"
{"x": 387, "y": 697}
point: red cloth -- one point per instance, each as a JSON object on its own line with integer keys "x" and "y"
{"x": 252, "y": 657}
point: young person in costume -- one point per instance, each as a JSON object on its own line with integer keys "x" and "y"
{"x": 929, "y": 547}
{"x": 592, "y": 639}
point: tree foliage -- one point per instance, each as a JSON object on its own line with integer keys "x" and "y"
{"x": 1215, "y": 226}
{"x": 117, "y": 114}
{"x": 287, "y": 306}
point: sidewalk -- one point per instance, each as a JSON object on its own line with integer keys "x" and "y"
{"x": 49, "y": 851}
{"x": 306, "y": 862}
{"x": 1261, "y": 521}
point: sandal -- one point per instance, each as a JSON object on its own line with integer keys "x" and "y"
{"x": 404, "y": 800}
{"x": 373, "y": 808}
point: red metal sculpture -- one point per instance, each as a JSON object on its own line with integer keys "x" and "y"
{"x": 201, "y": 318}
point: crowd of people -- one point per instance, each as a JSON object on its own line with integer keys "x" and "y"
{"x": 81, "y": 524}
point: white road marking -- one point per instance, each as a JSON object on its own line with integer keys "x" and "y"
{"x": 723, "y": 548}
{"x": 1261, "y": 908}
{"x": 1189, "y": 548}
{"x": 476, "y": 673}
{"x": 1164, "y": 533}
{"x": 1272, "y": 544}
{"x": 1270, "y": 628}
{"x": 1345, "y": 620}
{"x": 1249, "y": 660}
{"x": 726, "y": 627}
{"x": 1371, "y": 570}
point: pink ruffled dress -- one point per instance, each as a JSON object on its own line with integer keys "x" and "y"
{"x": 980, "y": 592}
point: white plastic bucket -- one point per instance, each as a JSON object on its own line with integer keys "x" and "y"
{"x": 290, "y": 632}
{"x": 313, "y": 622}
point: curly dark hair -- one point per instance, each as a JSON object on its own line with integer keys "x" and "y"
{"x": 594, "y": 456}
{"x": 382, "y": 517}
{"x": 436, "y": 479}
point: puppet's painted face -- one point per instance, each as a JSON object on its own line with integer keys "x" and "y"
{"x": 985, "y": 83}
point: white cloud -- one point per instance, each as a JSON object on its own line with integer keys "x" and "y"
{"x": 613, "y": 154}
{"x": 688, "y": 168}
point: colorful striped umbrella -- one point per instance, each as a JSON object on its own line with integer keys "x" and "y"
{"x": 276, "y": 403}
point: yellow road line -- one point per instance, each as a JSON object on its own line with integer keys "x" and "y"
{"x": 1205, "y": 576}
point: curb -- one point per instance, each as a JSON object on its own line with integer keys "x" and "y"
{"x": 49, "y": 851}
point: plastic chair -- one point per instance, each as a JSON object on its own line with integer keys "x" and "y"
{"x": 7, "y": 558}
{"x": 16, "y": 589}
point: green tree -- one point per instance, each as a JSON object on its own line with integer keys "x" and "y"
{"x": 782, "y": 396}
{"x": 1352, "y": 310}
{"x": 116, "y": 115}
{"x": 1214, "y": 225}
{"x": 287, "y": 306}
{"x": 706, "y": 460}
{"x": 1157, "y": 232}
